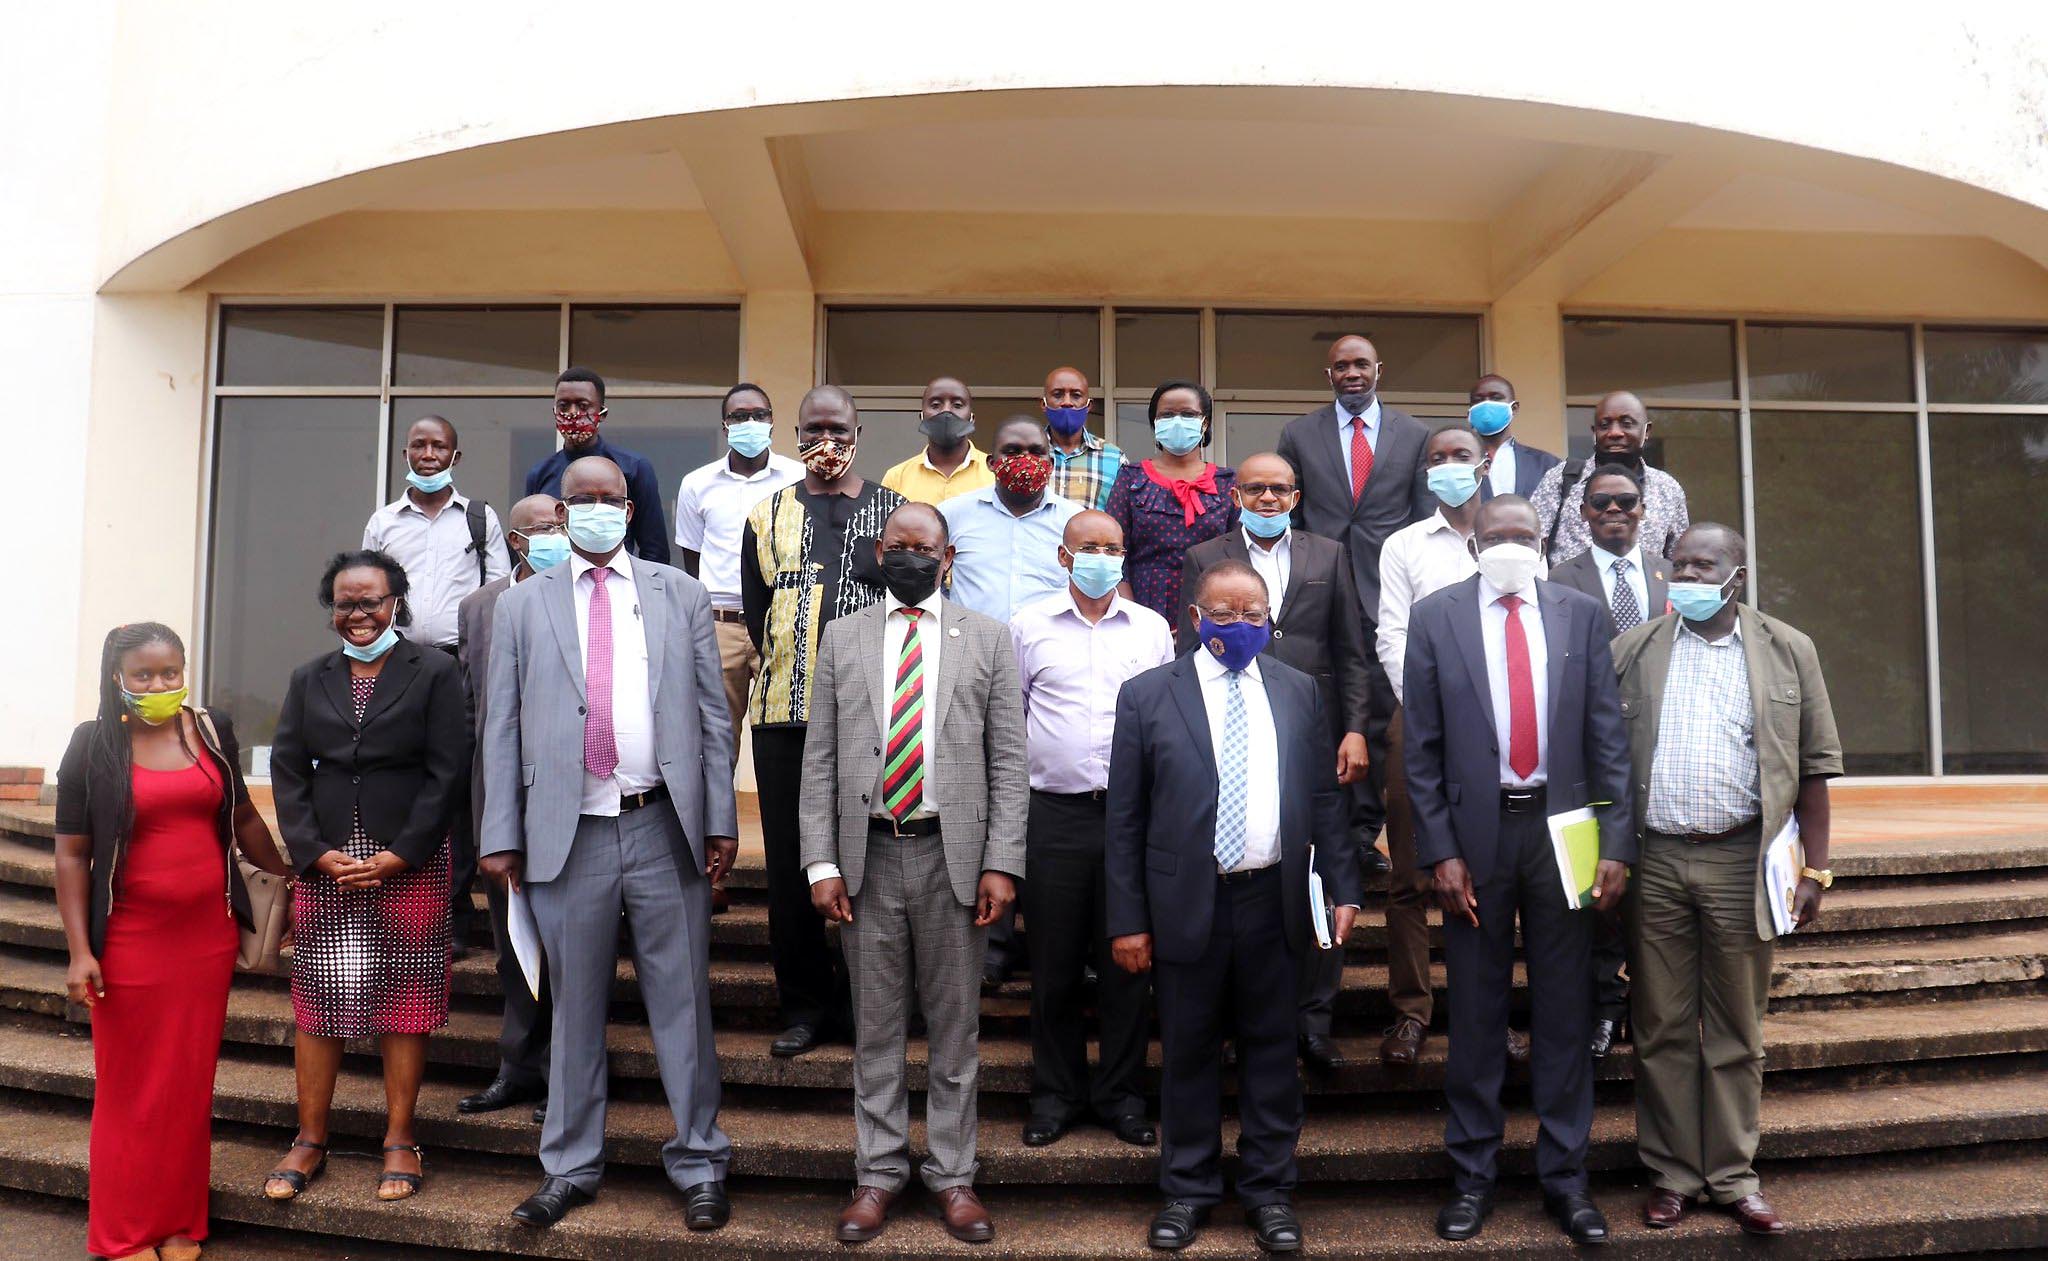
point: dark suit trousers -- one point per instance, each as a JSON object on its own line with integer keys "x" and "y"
{"x": 523, "y": 1032}
{"x": 1241, "y": 988}
{"x": 1557, "y": 944}
{"x": 1408, "y": 986}
{"x": 810, "y": 977}
{"x": 1321, "y": 973}
{"x": 1063, "y": 901}
{"x": 1610, "y": 969}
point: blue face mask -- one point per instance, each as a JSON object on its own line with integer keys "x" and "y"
{"x": 1065, "y": 422}
{"x": 1264, "y": 527}
{"x": 431, "y": 483}
{"x": 1454, "y": 483}
{"x": 1698, "y": 601}
{"x": 1490, "y": 416}
{"x": 1095, "y": 574}
{"x": 597, "y": 528}
{"x": 1236, "y": 644}
{"x": 375, "y": 648}
{"x": 750, "y": 437}
{"x": 545, "y": 551}
{"x": 1178, "y": 434}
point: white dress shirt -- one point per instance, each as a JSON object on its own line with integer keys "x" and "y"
{"x": 1500, "y": 475}
{"x": 1493, "y": 629}
{"x": 1273, "y": 564}
{"x": 1371, "y": 415}
{"x": 1417, "y": 560}
{"x": 1261, "y": 756}
{"x": 1604, "y": 561}
{"x": 434, "y": 552}
{"x": 1071, "y": 672}
{"x": 711, "y": 511}
{"x": 632, "y": 695}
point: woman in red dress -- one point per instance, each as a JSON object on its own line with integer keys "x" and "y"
{"x": 149, "y": 802}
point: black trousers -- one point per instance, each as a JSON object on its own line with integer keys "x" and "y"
{"x": 1241, "y": 988}
{"x": 1557, "y": 945}
{"x": 524, "y": 1032}
{"x": 1321, "y": 972}
{"x": 810, "y": 976}
{"x": 1610, "y": 969}
{"x": 1369, "y": 800}
{"x": 1064, "y": 902}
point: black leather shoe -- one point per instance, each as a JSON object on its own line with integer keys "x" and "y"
{"x": 1045, "y": 1131}
{"x": 1371, "y": 860}
{"x": 705, "y": 1206}
{"x": 1318, "y": 1052}
{"x": 1463, "y": 1216}
{"x": 1275, "y": 1227}
{"x": 497, "y": 1096}
{"x": 1135, "y": 1130}
{"x": 1604, "y": 1033}
{"x": 1175, "y": 1226}
{"x": 540, "y": 1114}
{"x": 552, "y": 1202}
{"x": 1580, "y": 1219}
{"x": 794, "y": 1041}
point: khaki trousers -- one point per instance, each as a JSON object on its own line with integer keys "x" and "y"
{"x": 1701, "y": 981}
{"x": 1407, "y": 892}
{"x": 739, "y": 663}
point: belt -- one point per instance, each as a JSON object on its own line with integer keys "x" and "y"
{"x": 913, "y": 827}
{"x": 629, "y": 802}
{"x": 1709, "y": 838}
{"x": 1246, "y": 877}
{"x": 1522, "y": 800}
{"x": 729, "y": 615}
{"x": 1093, "y": 794}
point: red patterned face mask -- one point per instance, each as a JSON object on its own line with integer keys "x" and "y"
{"x": 575, "y": 428}
{"x": 1021, "y": 474}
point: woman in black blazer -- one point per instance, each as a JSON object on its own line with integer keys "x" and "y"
{"x": 371, "y": 756}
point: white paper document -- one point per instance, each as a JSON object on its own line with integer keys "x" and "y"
{"x": 1784, "y": 858}
{"x": 525, "y": 934}
{"x": 1320, "y": 913}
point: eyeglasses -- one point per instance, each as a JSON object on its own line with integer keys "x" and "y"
{"x": 368, "y": 608}
{"x": 1231, "y": 617}
{"x": 570, "y": 411}
{"x": 1257, "y": 490}
{"x": 1188, "y": 414}
{"x": 552, "y": 528}
{"x": 751, "y": 413}
{"x": 1098, "y": 549}
{"x": 591, "y": 501}
{"x": 1625, "y": 502}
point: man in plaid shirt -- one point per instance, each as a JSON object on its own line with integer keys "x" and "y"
{"x": 1084, "y": 466}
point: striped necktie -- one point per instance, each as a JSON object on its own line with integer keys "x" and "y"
{"x": 903, "y": 766}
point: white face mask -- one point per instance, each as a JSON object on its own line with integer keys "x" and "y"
{"x": 1511, "y": 567}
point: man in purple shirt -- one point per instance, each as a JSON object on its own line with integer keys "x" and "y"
{"x": 1074, "y": 651}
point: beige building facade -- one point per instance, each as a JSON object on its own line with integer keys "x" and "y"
{"x": 252, "y": 243}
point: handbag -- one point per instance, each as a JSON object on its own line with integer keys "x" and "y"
{"x": 270, "y": 897}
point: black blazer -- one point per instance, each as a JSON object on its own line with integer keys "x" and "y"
{"x": 1393, "y": 497}
{"x": 1582, "y": 573}
{"x": 93, "y": 815}
{"x": 1531, "y": 463}
{"x": 1159, "y": 850}
{"x": 404, "y": 768}
{"x": 1318, "y": 632}
{"x": 1451, "y": 750}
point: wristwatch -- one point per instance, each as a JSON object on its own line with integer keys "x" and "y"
{"x": 1825, "y": 879}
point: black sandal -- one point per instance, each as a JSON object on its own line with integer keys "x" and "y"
{"x": 295, "y": 1179}
{"x": 411, "y": 1181}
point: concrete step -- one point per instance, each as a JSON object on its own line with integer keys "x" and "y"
{"x": 1879, "y": 1208}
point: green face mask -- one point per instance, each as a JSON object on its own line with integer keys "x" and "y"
{"x": 155, "y": 708}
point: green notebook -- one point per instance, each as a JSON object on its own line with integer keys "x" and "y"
{"x": 1575, "y": 841}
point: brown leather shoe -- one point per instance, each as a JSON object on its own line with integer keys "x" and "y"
{"x": 866, "y": 1214}
{"x": 965, "y": 1218}
{"x": 1518, "y": 1048}
{"x": 1664, "y": 1208}
{"x": 1757, "y": 1216}
{"x": 1403, "y": 1045}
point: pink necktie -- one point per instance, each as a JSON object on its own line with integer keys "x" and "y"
{"x": 600, "y": 747}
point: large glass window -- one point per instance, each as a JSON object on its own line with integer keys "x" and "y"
{"x": 899, "y": 346}
{"x": 481, "y": 346}
{"x": 295, "y": 345}
{"x": 1978, "y": 365}
{"x": 1810, "y": 364}
{"x": 1264, "y": 350}
{"x": 1664, "y": 358}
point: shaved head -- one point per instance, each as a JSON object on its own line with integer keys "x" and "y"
{"x": 534, "y": 510}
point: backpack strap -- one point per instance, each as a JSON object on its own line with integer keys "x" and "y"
{"x": 1573, "y": 470}
{"x": 474, "y": 512}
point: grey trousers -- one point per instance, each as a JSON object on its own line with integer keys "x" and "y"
{"x": 909, "y": 930}
{"x": 629, "y": 864}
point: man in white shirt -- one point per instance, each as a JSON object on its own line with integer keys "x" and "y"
{"x": 446, "y": 554}
{"x": 711, "y": 513}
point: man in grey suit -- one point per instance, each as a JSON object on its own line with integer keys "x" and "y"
{"x": 607, "y": 770}
{"x": 915, "y": 796}
{"x": 523, "y": 1030}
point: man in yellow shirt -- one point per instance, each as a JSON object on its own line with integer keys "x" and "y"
{"x": 950, "y": 463}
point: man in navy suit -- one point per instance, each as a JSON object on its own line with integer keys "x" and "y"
{"x": 1513, "y": 714}
{"x": 1220, "y": 777}
{"x": 1513, "y": 468}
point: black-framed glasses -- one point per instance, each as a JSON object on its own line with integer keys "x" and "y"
{"x": 368, "y": 608}
{"x": 1603, "y": 501}
{"x": 592, "y": 501}
{"x": 1255, "y": 490}
{"x": 745, "y": 414}
{"x": 1231, "y": 617}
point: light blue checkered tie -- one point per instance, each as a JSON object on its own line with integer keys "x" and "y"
{"x": 1230, "y": 788}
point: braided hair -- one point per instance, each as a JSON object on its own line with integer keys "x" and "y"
{"x": 110, "y": 758}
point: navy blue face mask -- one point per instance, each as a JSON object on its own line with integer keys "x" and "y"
{"x": 1236, "y": 644}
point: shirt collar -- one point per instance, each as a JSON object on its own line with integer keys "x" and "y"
{"x": 1605, "y": 559}
{"x": 974, "y": 457}
{"x": 1117, "y": 606}
{"x": 1438, "y": 523}
{"x": 987, "y": 495}
{"x": 1282, "y": 546}
{"x": 929, "y": 604}
{"x": 1371, "y": 414}
{"x": 777, "y": 465}
{"x": 1090, "y": 444}
{"x": 404, "y": 503}
{"x": 1489, "y": 594}
{"x": 618, "y": 564}
{"x": 1734, "y": 634}
{"x": 1210, "y": 669}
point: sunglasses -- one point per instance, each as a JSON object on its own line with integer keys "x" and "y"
{"x": 1627, "y": 503}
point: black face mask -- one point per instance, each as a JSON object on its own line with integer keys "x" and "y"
{"x": 947, "y": 429}
{"x": 911, "y": 576}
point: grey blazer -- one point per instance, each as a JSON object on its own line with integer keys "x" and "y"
{"x": 532, "y": 744}
{"x": 473, "y": 619}
{"x": 977, "y": 771}
{"x": 1582, "y": 573}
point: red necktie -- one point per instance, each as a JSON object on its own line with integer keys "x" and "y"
{"x": 1361, "y": 458}
{"x": 1521, "y": 695}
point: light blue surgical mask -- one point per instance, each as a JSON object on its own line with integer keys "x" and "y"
{"x": 545, "y": 551}
{"x": 1490, "y": 416}
{"x": 429, "y": 484}
{"x": 1454, "y": 483}
{"x": 1096, "y": 574}
{"x": 750, "y": 437}
{"x": 1265, "y": 527}
{"x": 375, "y": 648}
{"x": 597, "y": 528}
{"x": 1178, "y": 434}
{"x": 1698, "y": 601}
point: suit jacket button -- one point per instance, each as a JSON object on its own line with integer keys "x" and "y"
{"x": 357, "y": 736}
{"x": 579, "y": 709}
{"x": 863, "y": 799}
{"x": 355, "y": 779}
{"x": 878, "y": 750}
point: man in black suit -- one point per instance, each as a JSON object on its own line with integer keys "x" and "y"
{"x": 1361, "y": 480}
{"x": 1513, "y": 468}
{"x": 1219, "y": 779}
{"x": 1316, "y": 629}
{"x": 1513, "y": 714}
